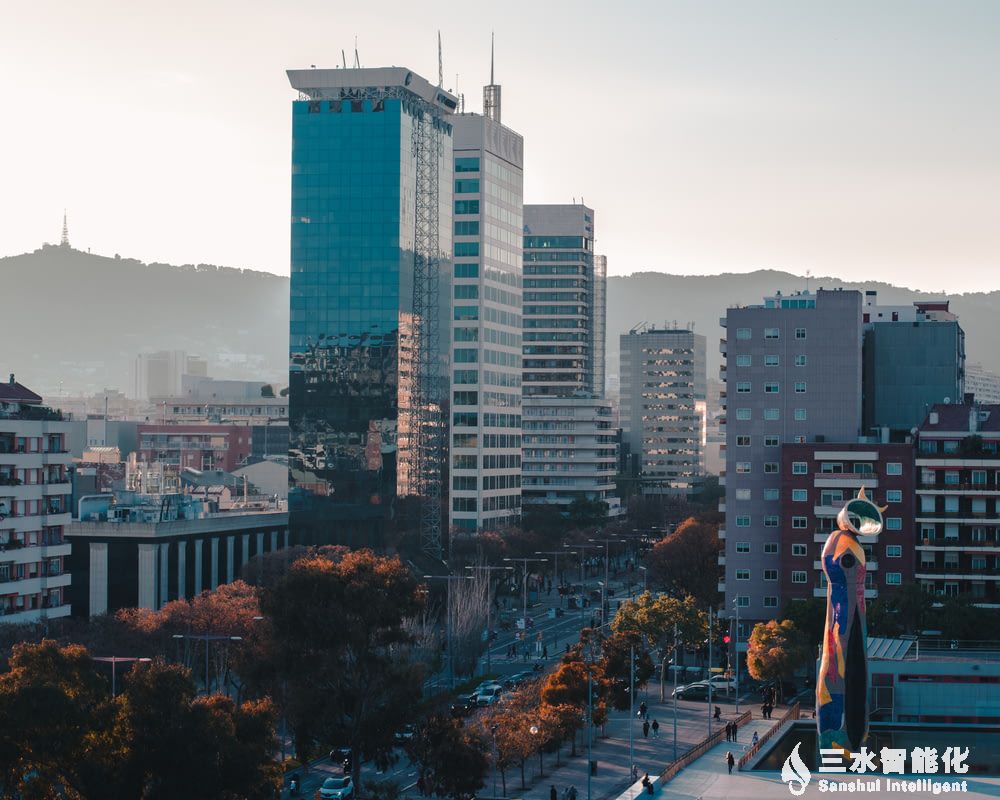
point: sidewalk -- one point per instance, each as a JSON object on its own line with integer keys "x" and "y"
{"x": 651, "y": 754}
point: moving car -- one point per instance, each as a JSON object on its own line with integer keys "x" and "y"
{"x": 488, "y": 695}
{"x": 694, "y": 691}
{"x": 336, "y": 789}
{"x": 404, "y": 734}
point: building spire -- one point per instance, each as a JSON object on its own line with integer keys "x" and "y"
{"x": 64, "y": 241}
{"x": 491, "y": 93}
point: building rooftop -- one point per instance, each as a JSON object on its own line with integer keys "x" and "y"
{"x": 962, "y": 418}
{"x": 14, "y": 392}
{"x": 349, "y": 84}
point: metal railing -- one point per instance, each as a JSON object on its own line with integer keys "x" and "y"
{"x": 699, "y": 750}
{"x": 791, "y": 713}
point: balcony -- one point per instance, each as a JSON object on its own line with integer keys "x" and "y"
{"x": 722, "y": 586}
{"x": 820, "y": 591}
{"x": 722, "y": 534}
{"x": 722, "y": 346}
{"x": 838, "y": 480}
{"x": 722, "y": 560}
{"x": 16, "y": 617}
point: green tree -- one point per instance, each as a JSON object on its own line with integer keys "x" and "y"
{"x": 341, "y": 648}
{"x": 656, "y": 619}
{"x": 686, "y": 562}
{"x": 616, "y": 652}
{"x": 809, "y": 616}
{"x": 450, "y": 758}
{"x": 775, "y": 650}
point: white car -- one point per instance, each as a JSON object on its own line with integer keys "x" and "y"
{"x": 488, "y": 695}
{"x": 336, "y": 789}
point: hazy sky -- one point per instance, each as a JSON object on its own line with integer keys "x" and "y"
{"x": 858, "y": 139}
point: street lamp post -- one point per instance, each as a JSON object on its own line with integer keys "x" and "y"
{"x": 493, "y": 735}
{"x": 524, "y": 606}
{"x": 736, "y": 640}
{"x": 489, "y": 608}
{"x": 604, "y": 587}
{"x": 114, "y": 661}
{"x": 631, "y": 706}
{"x": 644, "y": 572}
{"x": 555, "y": 567}
{"x": 676, "y": 672}
{"x": 583, "y": 583}
{"x": 447, "y": 620}
{"x": 710, "y": 637}
{"x": 206, "y": 638}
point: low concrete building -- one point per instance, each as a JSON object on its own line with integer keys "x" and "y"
{"x": 146, "y": 550}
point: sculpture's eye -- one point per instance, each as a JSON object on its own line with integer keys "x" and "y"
{"x": 848, "y": 560}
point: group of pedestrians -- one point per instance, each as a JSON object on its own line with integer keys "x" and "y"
{"x": 569, "y": 793}
{"x": 646, "y": 728}
{"x": 731, "y": 731}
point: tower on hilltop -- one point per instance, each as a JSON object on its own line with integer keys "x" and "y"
{"x": 64, "y": 240}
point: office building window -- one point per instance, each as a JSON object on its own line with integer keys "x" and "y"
{"x": 772, "y": 441}
{"x": 800, "y": 387}
{"x": 770, "y": 574}
{"x": 742, "y": 574}
{"x": 894, "y": 468}
{"x": 894, "y": 578}
{"x": 743, "y": 387}
{"x": 770, "y": 388}
{"x": 894, "y": 551}
{"x": 772, "y": 494}
{"x": 799, "y": 550}
{"x": 800, "y": 523}
{"x": 800, "y": 467}
{"x": 770, "y": 601}
{"x": 894, "y": 523}
{"x": 743, "y": 601}
{"x": 772, "y": 414}
{"x": 743, "y": 547}
{"x": 771, "y": 548}
{"x": 743, "y": 333}
{"x": 743, "y": 414}
{"x": 743, "y": 360}
{"x": 771, "y": 361}
{"x": 800, "y": 495}
{"x": 742, "y": 441}
{"x": 771, "y": 521}
{"x": 798, "y": 576}
{"x": 743, "y": 494}
{"x": 743, "y": 521}
{"x": 800, "y": 361}
{"x": 742, "y": 467}
{"x": 771, "y": 468}
{"x": 894, "y": 496}
{"x": 800, "y": 415}
{"x": 800, "y": 333}
{"x": 771, "y": 333}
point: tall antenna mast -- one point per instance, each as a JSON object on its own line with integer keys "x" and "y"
{"x": 357, "y": 58}
{"x": 491, "y": 93}
{"x": 64, "y": 241}
{"x": 440, "y": 63}
{"x": 343, "y": 57}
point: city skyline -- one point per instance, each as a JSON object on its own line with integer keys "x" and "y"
{"x": 771, "y": 136}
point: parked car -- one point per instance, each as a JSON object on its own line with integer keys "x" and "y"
{"x": 336, "y": 789}
{"x": 520, "y": 623}
{"x": 488, "y": 696}
{"x": 484, "y": 685}
{"x": 720, "y": 683}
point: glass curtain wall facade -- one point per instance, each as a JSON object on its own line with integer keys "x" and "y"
{"x": 562, "y": 354}
{"x": 486, "y": 326}
{"x": 353, "y": 328}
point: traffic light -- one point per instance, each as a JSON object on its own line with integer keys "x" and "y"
{"x": 726, "y": 639}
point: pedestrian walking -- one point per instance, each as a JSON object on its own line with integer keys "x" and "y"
{"x": 763, "y": 711}
{"x": 736, "y": 731}
{"x": 643, "y": 710}
{"x": 718, "y": 713}
{"x": 572, "y": 793}
{"x": 635, "y": 773}
{"x": 553, "y": 794}
{"x": 645, "y": 729}
{"x": 656, "y": 729}
{"x": 729, "y": 731}
{"x": 730, "y": 761}
{"x": 545, "y": 651}
{"x": 755, "y": 738}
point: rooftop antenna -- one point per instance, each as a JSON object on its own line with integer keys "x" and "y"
{"x": 440, "y": 63}
{"x": 357, "y": 58}
{"x": 64, "y": 241}
{"x": 491, "y": 93}
{"x": 808, "y": 276}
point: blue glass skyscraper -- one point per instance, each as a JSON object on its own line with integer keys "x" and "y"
{"x": 371, "y": 213}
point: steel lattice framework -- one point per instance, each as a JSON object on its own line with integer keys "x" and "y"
{"x": 427, "y": 427}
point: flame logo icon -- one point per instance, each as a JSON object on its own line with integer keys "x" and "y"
{"x": 794, "y": 772}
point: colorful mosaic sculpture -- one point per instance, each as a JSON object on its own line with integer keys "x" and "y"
{"x": 842, "y": 683}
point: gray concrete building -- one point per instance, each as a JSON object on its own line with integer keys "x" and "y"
{"x": 793, "y": 372}
{"x": 663, "y": 408}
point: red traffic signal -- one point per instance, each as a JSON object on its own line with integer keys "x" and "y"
{"x": 726, "y": 639}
